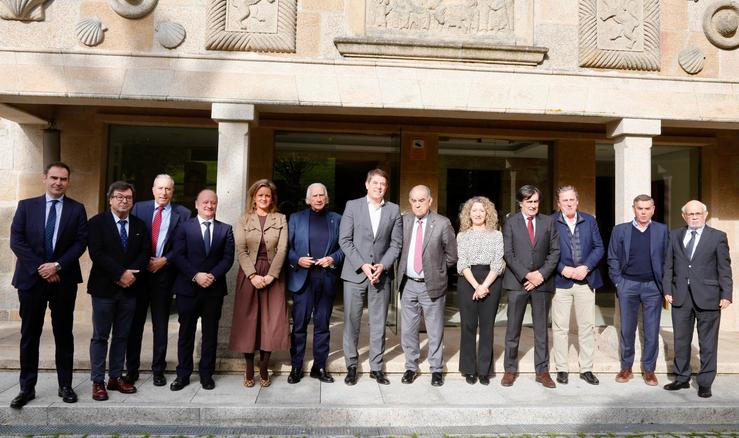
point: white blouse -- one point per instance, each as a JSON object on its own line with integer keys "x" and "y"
{"x": 480, "y": 247}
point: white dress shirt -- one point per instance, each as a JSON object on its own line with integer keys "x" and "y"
{"x": 202, "y": 227}
{"x": 409, "y": 270}
{"x": 689, "y": 234}
{"x": 375, "y": 215}
{"x": 163, "y": 227}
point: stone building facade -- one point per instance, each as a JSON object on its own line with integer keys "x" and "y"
{"x": 618, "y": 97}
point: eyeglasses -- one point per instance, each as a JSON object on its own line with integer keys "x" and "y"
{"x": 694, "y": 214}
{"x": 121, "y": 198}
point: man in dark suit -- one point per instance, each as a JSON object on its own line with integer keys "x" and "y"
{"x": 636, "y": 255}
{"x": 314, "y": 257}
{"x": 162, "y": 218}
{"x": 429, "y": 249}
{"x": 577, "y": 278}
{"x": 698, "y": 284}
{"x": 119, "y": 249}
{"x": 531, "y": 245}
{"x": 48, "y": 235}
{"x": 371, "y": 235}
{"x": 203, "y": 254}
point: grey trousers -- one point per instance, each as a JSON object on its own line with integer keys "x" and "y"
{"x": 378, "y": 297}
{"x": 414, "y": 301}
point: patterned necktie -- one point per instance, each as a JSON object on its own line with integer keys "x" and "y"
{"x": 155, "y": 225}
{"x": 50, "y": 226}
{"x": 418, "y": 253}
{"x": 531, "y": 229}
{"x": 206, "y": 237}
{"x": 124, "y": 234}
{"x": 691, "y": 244}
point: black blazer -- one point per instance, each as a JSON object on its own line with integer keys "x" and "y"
{"x": 190, "y": 258}
{"x": 109, "y": 260}
{"x": 521, "y": 257}
{"x": 709, "y": 272}
{"x": 27, "y": 240}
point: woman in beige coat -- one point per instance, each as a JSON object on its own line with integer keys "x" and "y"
{"x": 260, "y": 318}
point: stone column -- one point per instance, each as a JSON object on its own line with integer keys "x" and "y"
{"x": 633, "y": 144}
{"x": 233, "y": 156}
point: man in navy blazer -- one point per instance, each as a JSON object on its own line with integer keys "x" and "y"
{"x": 119, "y": 249}
{"x": 157, "y": 280}
{"x": 636, "y": 255}
{"x": 203, "y": 254}
{"x": 580, "y": 250}
{"x": 48, "y": 235}
{"x": 314, "y": 259}
{"x": 698, "y": 284}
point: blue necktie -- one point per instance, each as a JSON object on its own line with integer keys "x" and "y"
{"x": 691, "y": 244}
{"x": 124, "y": 235}
{"x": 206, "y": 237}
{"x": 50, "y": 226}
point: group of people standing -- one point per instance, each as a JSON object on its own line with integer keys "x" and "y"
{"x": 144, "y": 253}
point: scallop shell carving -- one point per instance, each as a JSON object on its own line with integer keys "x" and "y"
{"x": 23, "y": 10}
{"x": 692, "y": 60}
{"x": 90, "y": 31}
{"x": 170, "y": 34}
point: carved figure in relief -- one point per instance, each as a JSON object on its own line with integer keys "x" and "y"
{"x": 246, "y": 11}
{"x": 378, "y": 12}
{"x": 620, "y": 21}
{"x": 496, "y": 15}
{"x": 462, "y": 17}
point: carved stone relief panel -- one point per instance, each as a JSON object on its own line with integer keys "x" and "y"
{"x": 252, "y": 25}
{"x": 721, "y": 24}
{"x": 23, "y": 10}
{"x": 622, "y": 34}
{"x": 133, "y": 8}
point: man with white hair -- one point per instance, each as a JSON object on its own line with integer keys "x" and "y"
{"x": 314, "y": 259}
{"x": 697, "y": 282}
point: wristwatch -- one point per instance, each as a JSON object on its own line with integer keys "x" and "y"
{"x": 58, "y": 266}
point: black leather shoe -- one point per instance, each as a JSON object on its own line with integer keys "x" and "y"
{"x": 207, "y": 383}
{"x": 563, "y": 377}
{"x": 321, "y": 374}
{"x": 674, "y": 386}
{"x": 22, "y": 399}
{"x": 587, "y": 376}
{"x": 295, "y": 375}
{"x": 437, "y": 379}
{"x": 470, "y": 378}
{"x": 67, "y": 394}
{"x": 131, "y": 377}
{"x": 351, "y": 376}
{"x": 704, "y": 391}
{"x": 178, "y": 384}
{"x": 409, "y": 376}
{"x": 380, "y": 377}
{"x": 159, "y": 380}
{"x": 484, "y": 380}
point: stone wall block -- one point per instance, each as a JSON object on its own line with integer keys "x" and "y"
{"x": 122, "y": 34}
{"x": 308, "y": 37}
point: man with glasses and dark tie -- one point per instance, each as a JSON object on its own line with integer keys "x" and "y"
{"x": 119, "y": 249}
{"x": 48, "y": 235}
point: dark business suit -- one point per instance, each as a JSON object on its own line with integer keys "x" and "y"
{"x": 157, "y": 292}
{"x": 113, "y": 306}
{"x": 697, "y": 286}
{"x": 632, "y": 294}
{"x": 27, "y": 241}
{"x": 522, "y": 257}
{"x": 195, "y": 302}
{"x": 314, "y": 288}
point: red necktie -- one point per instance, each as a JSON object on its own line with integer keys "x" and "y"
{"x": 531, "y": 229}
{"x": 155, "y": 224}
{"x": 418, "y": 253}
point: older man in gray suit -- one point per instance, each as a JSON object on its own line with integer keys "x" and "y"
{"x": 370, "y": 235}
{"x": 429, "y": 248}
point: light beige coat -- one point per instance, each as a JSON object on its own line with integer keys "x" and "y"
{"x": 248, "y": 233}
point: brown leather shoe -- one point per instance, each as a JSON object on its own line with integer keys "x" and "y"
{"x": 624, "y": 375}
{"x": 546, "y": 380}
{"x": 98, "y": 392}
{"x": 650, "y": 379}
{"x": 120, "y": 385}
{"x": 508, "y": 379}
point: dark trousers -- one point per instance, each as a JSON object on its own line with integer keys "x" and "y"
{"x": 541, "y": 302}
{"x": 631, "y": 296}
{"x": 158, "y": 296}
{"x": 683, "y": 321}
{"x": 189, "y": 309}
{"x": 108, "y": 313}
{"x": 477, "y": 357}
{"x": 60, "y": 299}
{"x": 316, "y": 299}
